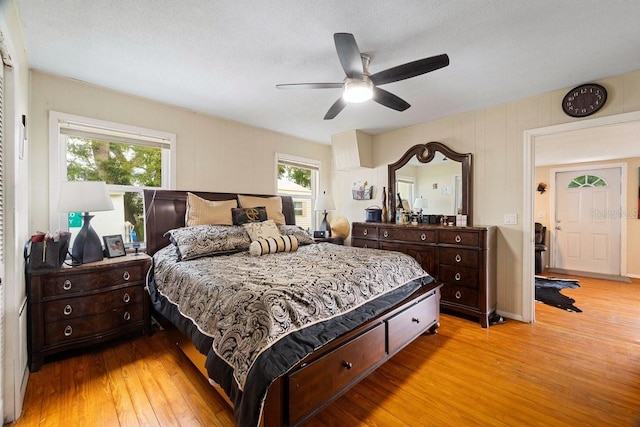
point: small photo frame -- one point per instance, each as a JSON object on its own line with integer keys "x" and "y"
{"x": 114, "y": 246}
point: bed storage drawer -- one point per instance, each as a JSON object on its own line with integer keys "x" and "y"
{"x": 320, "y": 381}
{"x": 408, "y": 324}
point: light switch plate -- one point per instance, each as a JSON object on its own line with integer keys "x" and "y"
{"x": 511, "y": 219}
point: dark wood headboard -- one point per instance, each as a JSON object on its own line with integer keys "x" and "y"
{"x": 166, "y": 209}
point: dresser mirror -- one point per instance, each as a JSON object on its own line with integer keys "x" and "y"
{"x": 438, "y": 175}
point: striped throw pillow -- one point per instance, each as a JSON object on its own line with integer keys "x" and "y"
{"x": 271, "y": 245}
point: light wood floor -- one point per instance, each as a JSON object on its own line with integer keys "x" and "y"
{"x": 568, "y": 369}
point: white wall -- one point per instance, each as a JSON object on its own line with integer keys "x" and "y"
{"x": 16, "y": 230}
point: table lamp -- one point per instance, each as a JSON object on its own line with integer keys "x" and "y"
{"x": 325, "y": 203}
{"x": 85, "y": 196}
{"x": 418, "y": 205}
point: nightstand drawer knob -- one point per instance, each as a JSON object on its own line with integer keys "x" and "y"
{"x": 458, "y": 238}
{"x": 67, "y": 310}
{"x": 126, "y": 298}
{"x": 458, "y": 258}
{"x": 68, "y": 331}
{"x": 386, "y": 233}
{"x": 66, "y": 285}
{"x": 126, "y": 275}
{"x": 126, "y": 316}
{"x": 457, "y": 276}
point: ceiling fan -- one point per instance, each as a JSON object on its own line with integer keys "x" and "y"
{"x": 360, "y": 86}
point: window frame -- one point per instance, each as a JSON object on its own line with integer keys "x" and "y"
{"x": 58, "y": 157}
{"x": 302, "y": 162}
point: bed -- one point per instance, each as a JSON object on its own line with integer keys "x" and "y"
{"x": 297, "y": 328}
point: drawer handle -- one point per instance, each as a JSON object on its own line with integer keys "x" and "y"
{"x": 458, "y": 238}
{"x": 67, "y": 310}
{"x": 126, "y": 275}
{"x": 68, "y": 331}
{"x": 126, "y": 316}
{"x": 364, "y": 232}
{"x": 415, "y": 319}
{"x": 347, "y": 365}
{"x": 365, "y": 246}
{"x": 457, "y": 276}
{"x": 126, "y": 298}
{"x": 458, "y": 258}
{"x": 423, "y": 237}
{"x": 66, "y": 285}
{"x": 458, "y": 294}
{"x": 386, "y": 233}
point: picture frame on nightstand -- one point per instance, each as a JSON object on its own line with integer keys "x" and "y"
{"x": 114, "y": 246}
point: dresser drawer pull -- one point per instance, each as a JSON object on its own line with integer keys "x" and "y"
{"x": 458, "y": 294}
{"x": 126, "y": 298}
{"x": 365, "y": 246}
{"x": 386, "y": 233}
{"x": 458, "y": 258}
{"x": 364, "y": 232}
{"x": 423, "y": 237}
{"x": 415, "y": 319}
{"x": 66, "y": 285}
{"x": 68, "y": 331}
{"x": 347, "y": 365}
{"x": 458, "y": 238}
{"x": 126, "y": 316}
{"x": 67, "y": 310}
{"x": 457, "y": 276}
{"x": 126, "y": 275}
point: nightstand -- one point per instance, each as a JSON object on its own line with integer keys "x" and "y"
{"x": 334, "y": 240}
{"x": 75, "y": 307}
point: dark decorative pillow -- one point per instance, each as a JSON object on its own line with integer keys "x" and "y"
{"x": 244, "y": 215}
{"x": 293, "y": 230}
{"x": 271, "y": 245}
{"x": 204, "y": 240}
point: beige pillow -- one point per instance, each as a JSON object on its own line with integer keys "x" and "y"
{"x": 272, "y": 204}
{"x": 273, "y": 245}
{"x": 261, "y": 230}
{"x": 205, "y": 212}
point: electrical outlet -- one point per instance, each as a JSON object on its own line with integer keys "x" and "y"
{"x": 511, "y": 219}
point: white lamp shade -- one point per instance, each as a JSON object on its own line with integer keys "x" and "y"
{"x": 420, "y": 203}
{"x": 84, "y": 196}
{"x": 325, "y": 203}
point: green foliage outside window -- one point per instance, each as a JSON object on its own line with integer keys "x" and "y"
{"x": 300, "y": 176}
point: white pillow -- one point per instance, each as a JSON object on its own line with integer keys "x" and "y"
{"x": 261, "y": 230}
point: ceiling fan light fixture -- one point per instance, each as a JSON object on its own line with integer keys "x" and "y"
{"x": 357, "y": 90}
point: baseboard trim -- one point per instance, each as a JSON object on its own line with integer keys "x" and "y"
{"x": 613, "y": 277}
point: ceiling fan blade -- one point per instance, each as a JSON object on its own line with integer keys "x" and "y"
{"x": 311, "y": 86}
{"x": 390, "y": 100}
{"x": 335, "y": 108}
{"x": 410, "y": 69}
{"x": 349, "y": 55}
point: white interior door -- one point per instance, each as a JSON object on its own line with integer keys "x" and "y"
{"x": 587, "y": 230}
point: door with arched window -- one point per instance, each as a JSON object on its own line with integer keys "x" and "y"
{"x": 588, "y": 220}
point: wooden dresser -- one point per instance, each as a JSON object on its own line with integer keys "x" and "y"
{"x": 463, "y": 259}
{"x": 75, "y": 307}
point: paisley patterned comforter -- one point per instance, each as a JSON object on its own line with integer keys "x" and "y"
{"x": 248, "y": 304}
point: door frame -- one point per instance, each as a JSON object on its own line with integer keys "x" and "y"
{"x": 528, "y": 171}
{"x": 623, "y": 204}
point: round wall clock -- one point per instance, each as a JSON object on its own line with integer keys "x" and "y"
{"x": 584, "y": 100}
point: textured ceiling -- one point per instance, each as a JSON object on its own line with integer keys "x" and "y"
{"x": 224, "y": 58}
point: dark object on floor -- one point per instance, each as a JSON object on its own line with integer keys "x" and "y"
{"x": 539, "y": 245}
{"x": 496, "y": 319}
{"x": 548, "y": 292}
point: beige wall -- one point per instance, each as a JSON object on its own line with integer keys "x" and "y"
{"x": 495, "y": 138}
{"x": 213, "y": 154}
{"x": 630, "y": 211}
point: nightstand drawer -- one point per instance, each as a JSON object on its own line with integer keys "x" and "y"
{"x": 71, "y": 283}
{"x": 460, "y": 257}
{"x": 70, "y": 308}
{"x": 58, "y": 332}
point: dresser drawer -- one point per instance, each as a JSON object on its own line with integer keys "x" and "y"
{"x": 461, "y": 276}
{"x": 320, "y": 380}
{"x": 72, "y": 329}
{"x": 413, "y": 321}
{"x": 459, "y": 295}
{"x": 364, "y": 231}
{"x": 459, "y": 257}
{"x": 364, "y": 243}
{"x": 70, "y": 283}
{"x": 70, "y": 308}
{"x": 407, "y": 235}
{"x": 459, "y": 237}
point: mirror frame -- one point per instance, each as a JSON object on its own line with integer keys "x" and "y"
{"x": 425, "y": 153}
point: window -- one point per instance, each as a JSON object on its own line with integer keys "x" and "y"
{"x": 587, "y": 181}
{"x": 298, "y": 178}
{"x": 129, "y": 159}
{"x": 405, "y": 187}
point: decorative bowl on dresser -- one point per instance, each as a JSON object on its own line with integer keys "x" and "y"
{"x": 463, "y": 259}
{"x": 74, "y": 307}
